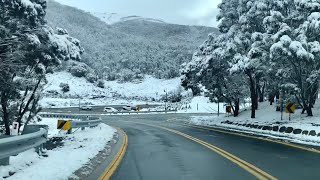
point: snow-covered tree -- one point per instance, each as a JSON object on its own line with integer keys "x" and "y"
{"x": 209, "y": 72}
{"x": 28, "y": 47}
{"x": 296, "y": 50}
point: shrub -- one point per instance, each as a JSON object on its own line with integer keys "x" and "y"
{"x": 100, "y": 83}
{"x": 64, "y": 87}
{"x": 78, "y": 70}
{"x": 91, "y": 77}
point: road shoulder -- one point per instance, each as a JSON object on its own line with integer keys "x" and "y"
{"x": 107, "y": 158}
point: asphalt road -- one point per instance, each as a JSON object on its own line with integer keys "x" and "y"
{"x": 155, "y": 153}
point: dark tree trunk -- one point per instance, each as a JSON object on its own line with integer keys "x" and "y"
{"x": 236, "y": 107}
{"x": 277, "y": 95}
{"x": 271, "y": 98}
{"x": 253, "y": 96}
{"x": 309, "y": 110}
{"x": 6, "y": 120}
{"x": 261, "y": 92}
{"x": 27, "y": 106}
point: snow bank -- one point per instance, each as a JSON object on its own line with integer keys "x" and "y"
{"x": 61, "y": 162}
{"x": 268, "y": 116}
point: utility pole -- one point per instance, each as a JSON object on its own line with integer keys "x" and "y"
{"x": 218, "y": 108}
{"x": 281, "y": 103}
{"x": 166, "y": 100}
{"x": 79, "y": 105}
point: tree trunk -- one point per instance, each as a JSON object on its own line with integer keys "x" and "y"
{"x": 6, "y": 120}
{"x": 253, "y": 96}
{"x": 309, "y": 110}
{"x": 271, "y": 98}
{"x": 26, "y": 107}
{"x": 261, "y": 92}
{"x": 236, "y": 108}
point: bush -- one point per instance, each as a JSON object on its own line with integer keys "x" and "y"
{"x": 100, "y": 83}
{"x": 64, "y": 87}
{"x": 78, "y": 70}
{"x": 91, "y": 77}
{"x": 125, "y": 75}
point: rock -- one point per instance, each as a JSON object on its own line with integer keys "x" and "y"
{"x": 289, "y": 130}
{"x": 305, "y": 132}
{"x": 297, "y": 131}
{"x": 275, "y": 128}
{"x": 312, "y": 133}
{"x": 282, "y": 129}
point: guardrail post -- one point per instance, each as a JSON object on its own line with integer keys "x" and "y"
{"x": 39, "y": 150}
{"x": 5, "y": 161}
{"x": 70, "y": 131}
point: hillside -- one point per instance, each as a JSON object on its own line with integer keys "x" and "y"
{"x": 132, "y": 47}
{"x": 148, "y": 90}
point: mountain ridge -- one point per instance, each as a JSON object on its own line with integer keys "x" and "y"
{"x": 129, "y": 49}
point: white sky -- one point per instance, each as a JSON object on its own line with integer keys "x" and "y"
{"x": 190, "y": 12}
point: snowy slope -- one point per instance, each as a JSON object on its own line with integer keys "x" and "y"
{"x": 112, "y": 18}
{"x": 113, "y": 93}
{"x": 109, "y": 18}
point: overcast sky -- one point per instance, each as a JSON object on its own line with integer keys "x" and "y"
{"x": 190, "y": 12}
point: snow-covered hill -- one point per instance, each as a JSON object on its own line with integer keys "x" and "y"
{"x": 147, "y": 90}
{"x": 128, "y": 45}
{"x": 109, "y": 18}
{"x": 112, "y": 18}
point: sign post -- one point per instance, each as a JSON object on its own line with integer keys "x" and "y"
{"x": 228, "y": 109}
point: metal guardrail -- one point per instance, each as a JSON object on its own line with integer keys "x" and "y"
{"x": 69, "y": 124}
{"x": 83, "y": 124}
{"x": 33, "y": 137}
{"x": 95, "y": 116}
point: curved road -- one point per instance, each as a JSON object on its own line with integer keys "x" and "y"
{"x": 157, "y": 153}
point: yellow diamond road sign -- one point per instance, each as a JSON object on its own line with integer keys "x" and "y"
{"x": 290, "y": 107}
{"x": 62, "y": 124}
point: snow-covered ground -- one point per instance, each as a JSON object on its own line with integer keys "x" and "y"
{"x": 114, "y": 92}
{"x": 200, "y": 104}
{"x": 61, "y": 162}
{"x": 268, "y": 116}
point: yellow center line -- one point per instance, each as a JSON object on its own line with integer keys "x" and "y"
{"x": 254, "y": 137}
{"x": 255, "y": 171}
{"x": 117, "y": 159}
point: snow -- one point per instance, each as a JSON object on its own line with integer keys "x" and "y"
{"x": 109, "y": 18}
{"x": 266, "y": 115}
{"x": 297, "y": 47}
{"x": 61, "y": 162}
{"x": 150, "y": 87}
{"x": 30, "y": 5}
{"x": 201, "y": 104}
{"x": 114, "y": 92}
